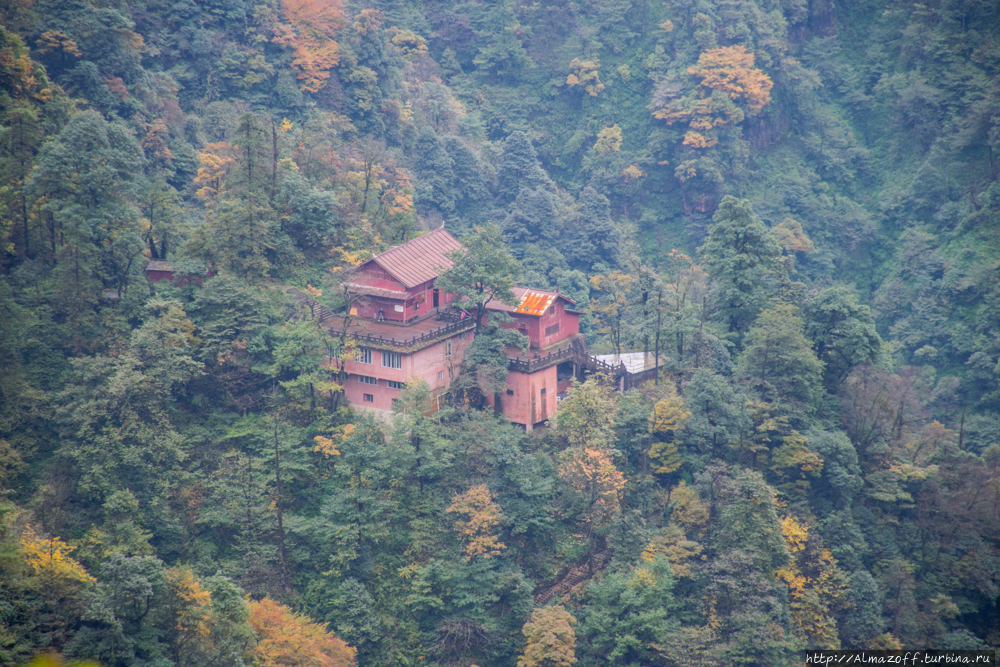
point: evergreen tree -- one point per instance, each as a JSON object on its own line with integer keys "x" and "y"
{"x": 741, "y": 257}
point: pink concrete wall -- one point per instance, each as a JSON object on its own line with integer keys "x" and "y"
{"x": 534, "y": 326}
{"x": 529, "y": 405}
{"x": 427, "y": 363}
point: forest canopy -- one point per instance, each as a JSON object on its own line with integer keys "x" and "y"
{"x": 790, "y": 203}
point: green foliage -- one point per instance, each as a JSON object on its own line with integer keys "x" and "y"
{"x": 838, "y": 159}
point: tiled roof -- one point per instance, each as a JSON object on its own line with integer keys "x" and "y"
{"x": 530, "y": 301}
{"x": 159, "y": 265}
{"x": 421, "y": 259}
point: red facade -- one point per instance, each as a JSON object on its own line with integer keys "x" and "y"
{"x": 396, "y": 301}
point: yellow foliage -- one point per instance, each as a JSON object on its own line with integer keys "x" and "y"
{"x": 53, "y": 40}
{"x": 609, "y": 140}
{"x": 689, "y": 511}
{"x": 789, "y": 235}
{"x": 672, "y": 544}
{"x": 482, "y": 518}
{"x": 286, "y": 125}
{"x": 585, "y": 74}
{"x": 698, "y": 140}
{"x": 669, "y": 414}
{"x": 550, "y": 640}
{"x": 409, "y": 42}
{"x": 55, "y": 660}
{"x": 215, "y": 165}
{"x": 325, "y": 446}
{"x": 667, "y": 26}
{"x": 592, "y": 473}
{"x": 816, "y": 586}
{"x": 795, "y": 534}
{"x": 51, "y": 558}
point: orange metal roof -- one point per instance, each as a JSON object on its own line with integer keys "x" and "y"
{"x": 530, "y": 301}
{"x": 535, "y": 303}
{"x": 420, "y": 259}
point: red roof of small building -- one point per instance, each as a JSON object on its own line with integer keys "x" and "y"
{"x": 530, "y": 301}
{"x": 420, "y": 259}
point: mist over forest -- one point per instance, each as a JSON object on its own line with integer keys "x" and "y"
{"x": 793, "y": 204}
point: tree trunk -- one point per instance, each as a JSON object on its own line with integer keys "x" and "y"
{"x": 277, "y": 504}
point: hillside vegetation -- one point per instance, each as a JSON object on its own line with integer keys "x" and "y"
{"x": 795, "y": 202}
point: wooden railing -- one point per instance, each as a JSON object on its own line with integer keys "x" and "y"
{"x": 376, "y": 341}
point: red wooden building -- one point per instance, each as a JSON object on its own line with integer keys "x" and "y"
{"x": 406, "y": 329}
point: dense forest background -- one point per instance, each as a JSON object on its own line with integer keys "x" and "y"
{"x": 796, "y": 201}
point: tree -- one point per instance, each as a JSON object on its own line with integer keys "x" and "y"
{"x": 519, "y": 169}
{"x": 550, "y": 640}
{"x": 842, "y": 331}
{"x": 627, "y": 613}
{"x": 313, "y": 25}
{"x": 501, "y": 54}
{"x": 480, "y": 523}
{"x": 716, "y": 419}
{"x": 593, "y": 237}
{"x": 587, "y": 416}
{"x": 730, "y": 88}
{"x": 287, "y": 639}
{"x": 778, "y": 361}
{"x": 612, "y": 311}
{"x": 84, "y": 181}
{"x": 667, "y": 418}
{"x": 481, "y": 272}
{"x": 740, "y": 257}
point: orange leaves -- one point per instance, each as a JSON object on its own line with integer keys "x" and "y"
{"x": 190, "y": 604}
{"x": 730, "y": 69}
{"x": 313, "y": 25}
{"x": 323, "y": 16}
{"x": 730, "y": 88}
{"x": 53, "y": 40}
{"x": 482, "y": 518}
{"x": 789, "y": 235}
{"x": 592, "y": 473}
{"x": 215, "y": 165}
{"x": 287, "y": 639}
{"x": 49, "y": 558}
{"x": 155, "y": 142}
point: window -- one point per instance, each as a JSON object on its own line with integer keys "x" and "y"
{"x": 543, "y": 391}
{"x": 392, "y": 384}
{"x": 364, "y": 355}
{"x": 510, "y": 392}
{"x": 554, "y": 329}
{"x": 367, "y": 379}
{"x": 464, "y": 335}
{"x": 392, "y": 360}
{"x": 369, "y": 398}
{"x": 447, "y": 348}
{"x": 440, "y": 375}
